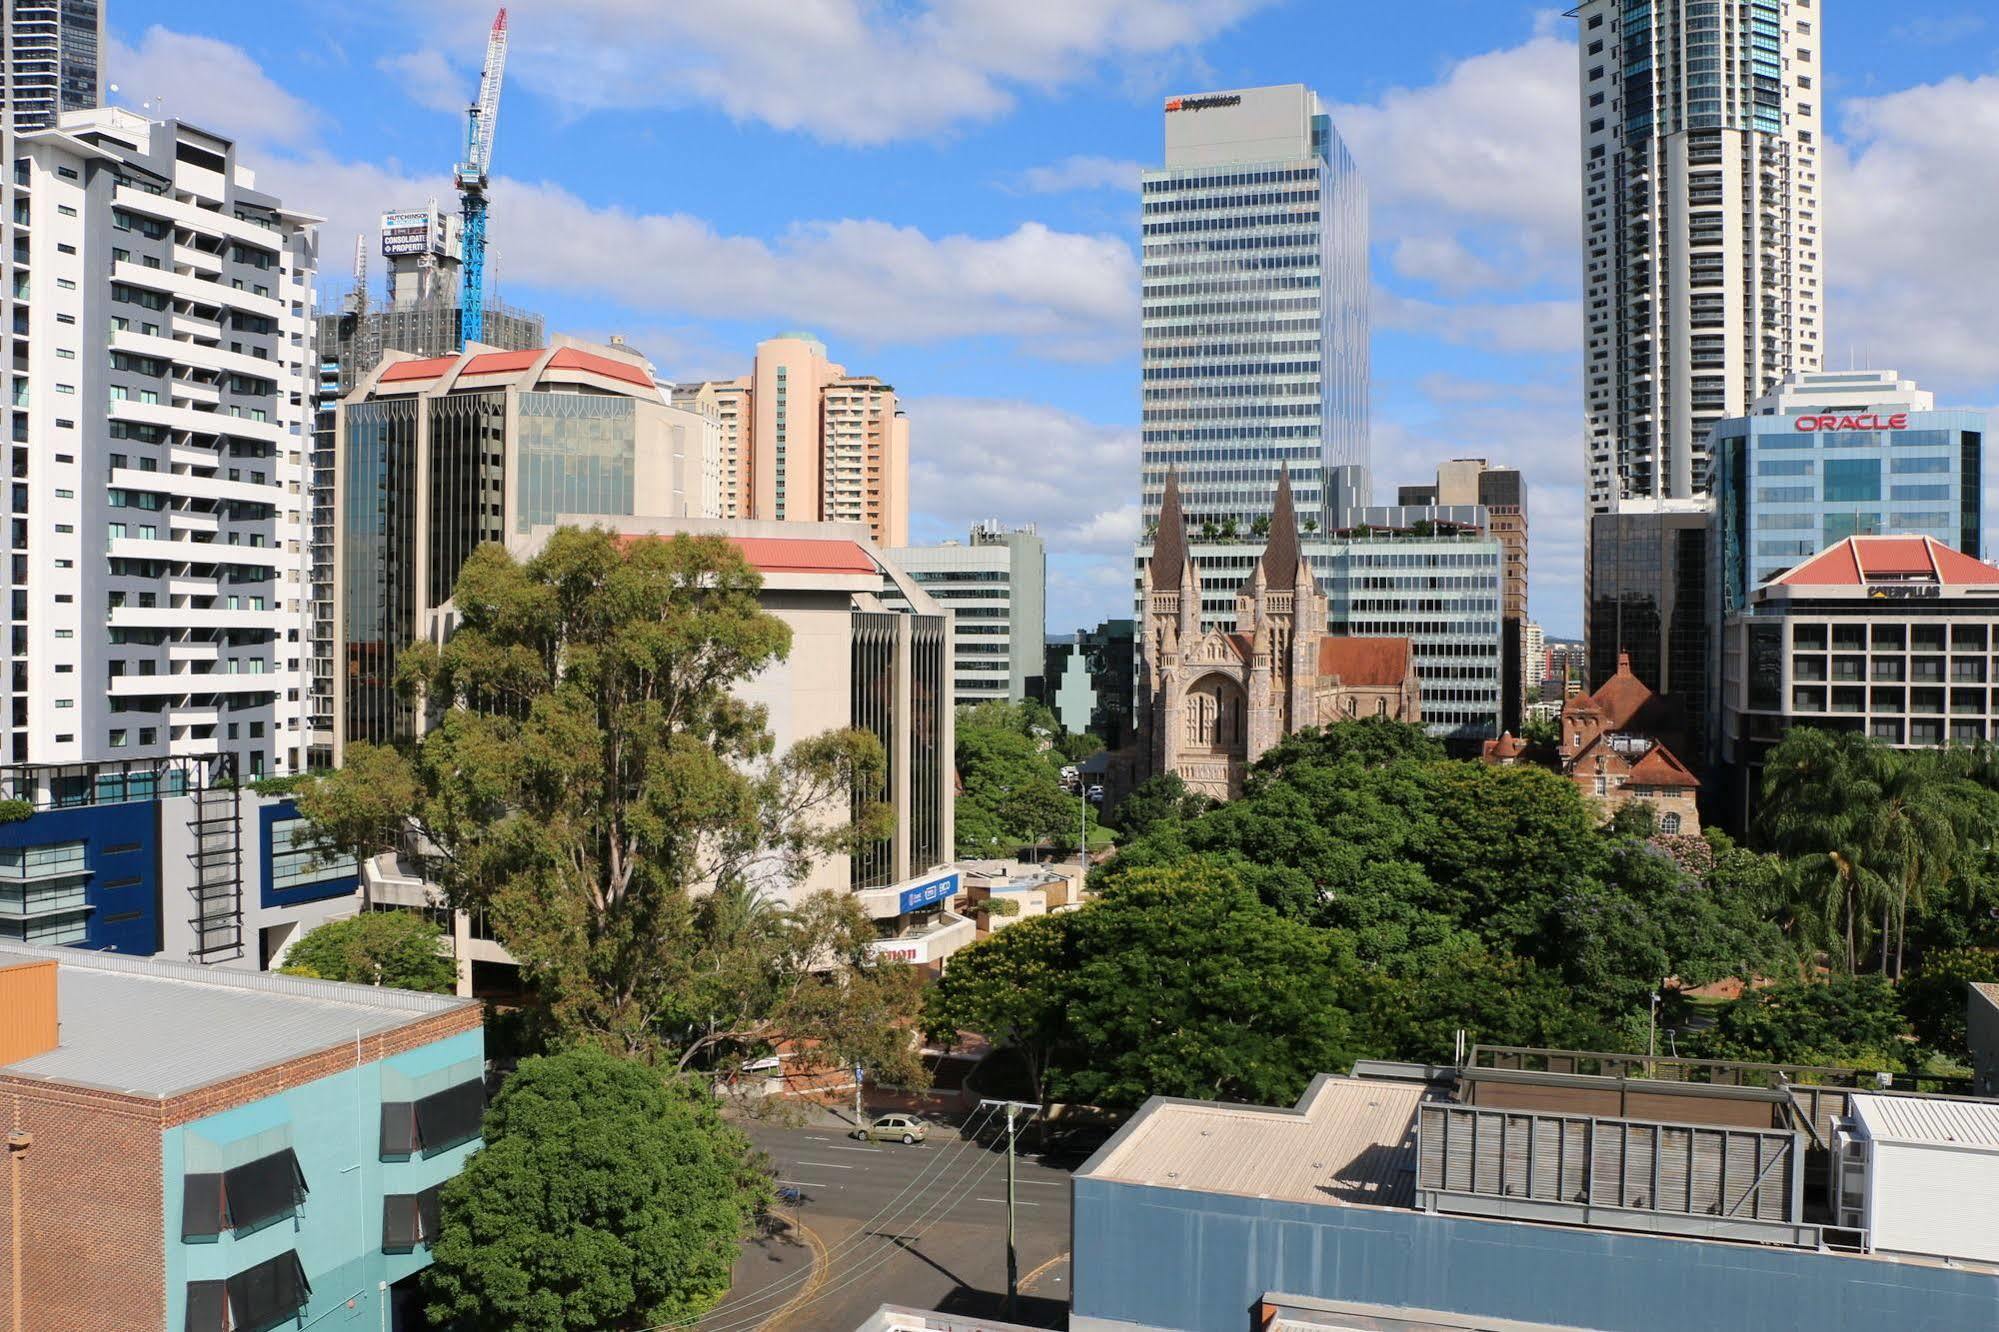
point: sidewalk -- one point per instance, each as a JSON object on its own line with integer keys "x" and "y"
{"x": 772, "y": 1272}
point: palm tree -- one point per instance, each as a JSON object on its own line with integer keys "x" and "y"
{"x": 1819, "y": 799}
{"x": 1911, "y": 833}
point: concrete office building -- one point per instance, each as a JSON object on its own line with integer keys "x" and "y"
{"x": 804, "y": 441}
{"x": 869, "y": 650}
{"x": 1888, "y": 636}
{"x": 437, "y": 455}
{"x": 1645, "y": 596}
{"x": 1087, "y": 680}
{"x": 53, "y": 61}
{"x": 159, "y": 408}
{"x": 995, "y": 584}
{"x": 1256, "y": 314}
{"x": 1501, "y": 493}
{"x": 1704, "y": 274}
{"x": 1533, "y": 659}
{"x": 1543, "y": 1190}
{"x": 420, "y": 316}
{"x": 201, "y": 1149}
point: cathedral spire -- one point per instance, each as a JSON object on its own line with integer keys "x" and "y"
{"x": 1169, "y": 543}
{"x": 1281, "y": 554}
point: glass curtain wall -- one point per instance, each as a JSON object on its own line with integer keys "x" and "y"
{"x": 576, "y": 455}
{"x": 378, "y": 581}
{"x": 929, "y": 706}
{"x": 467, "y": 483}
{"x": 873, "y": 711}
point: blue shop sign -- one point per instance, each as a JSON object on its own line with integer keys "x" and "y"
{"x": 930, "y": 892}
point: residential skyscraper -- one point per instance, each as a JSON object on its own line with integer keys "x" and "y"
{"x": 1703, "y": 276}
{"x": 804, "y": 441}
{"x": 54, "y": 63}
{"x": 1255, "y": 314}
{"x": 995, "y": 584}
{"x": 160, "y": 403}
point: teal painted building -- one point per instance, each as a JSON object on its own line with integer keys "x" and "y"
{"x": 295, "y": 1134}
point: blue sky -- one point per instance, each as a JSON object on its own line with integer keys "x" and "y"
{"x": 943, "y": 190}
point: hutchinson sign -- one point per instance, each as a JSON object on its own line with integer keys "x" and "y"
{"x": 1871, "y": 421}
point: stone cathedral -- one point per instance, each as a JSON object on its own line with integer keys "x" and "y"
{"x": 1214, "y": 700}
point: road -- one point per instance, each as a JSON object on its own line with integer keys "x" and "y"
{"x": 921, "y": 1225}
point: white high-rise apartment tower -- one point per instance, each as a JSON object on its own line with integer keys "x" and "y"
{"x": 1703, "y": 269}
{"x": 160, "y": 404}
{"x": 53, "y": 52}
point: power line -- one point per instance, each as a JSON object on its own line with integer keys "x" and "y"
{"x": 738, "y": 1318}
{"x": 942, "y": 1161}
{"x": 881, "y": 1255}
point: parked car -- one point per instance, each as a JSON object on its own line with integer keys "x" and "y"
{"x": 1067, "y": 1147}
{"x": 893, "y": 1128}
{"x": 1096, "y": 795}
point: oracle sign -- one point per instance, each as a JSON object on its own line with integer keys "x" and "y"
{"x": 1898, "y": 421}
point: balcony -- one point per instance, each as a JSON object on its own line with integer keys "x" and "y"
{"x": 183, "y": 617}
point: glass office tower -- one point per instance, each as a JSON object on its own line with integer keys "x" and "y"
{"x": 1255, "y": 312}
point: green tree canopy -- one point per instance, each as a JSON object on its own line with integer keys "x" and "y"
{"x": 399, "y": 949}
{"x": 604, "y": 1197}
{"x": 1156, "y": 800}
{"x": 1839, "y": 1021}
{"x": 1010, "y": 759}
{"x": 1182, "y": 983}
{"x": 591, "y": 770}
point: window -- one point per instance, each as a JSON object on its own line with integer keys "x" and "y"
{"x": 242, "y": 1199}
{"x": 409, "y": 1219}
{"x": 434, "y": 1123}
{"x": 1852, "y": 479}
{"x": 1669, "y": 824}
{"x": 65, "y": 210}
{"x": 271, "y": 1294}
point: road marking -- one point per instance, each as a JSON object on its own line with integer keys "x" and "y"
{"x": 828, "y": 1165}
{"x": 1027, "y": 1282}
{"x": 832, "y": 1148}
{"x": 804, "y": 1184}
{"x": 1016, "y": 1204}
{"x": 1043, "y": 1183}
{"x": 822, "y": 1260}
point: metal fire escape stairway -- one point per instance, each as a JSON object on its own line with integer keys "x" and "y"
{"x": 218, "y": 875}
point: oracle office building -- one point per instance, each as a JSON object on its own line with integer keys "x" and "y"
{"x": 1829, "y": 455}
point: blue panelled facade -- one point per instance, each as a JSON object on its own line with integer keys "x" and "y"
{"x": 1147, "y": 1257}
{"x": 88, "y": 876}
{"x": 295, "y": 869}
{"x": 1786, "y": 487}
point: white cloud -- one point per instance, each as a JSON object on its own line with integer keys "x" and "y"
{"x": 429, "y": 80}
{"x": 208, "y": 83}
{"x": 1911, "y": 221}
{"x": 1445, "y": 263}
{"x": 1080, "y": 173}
{"x": 1489, "y": 151}
{"x": 975, "y": 458}
{"x": 1511, "y": 326}
{"x": 844, "y": 71}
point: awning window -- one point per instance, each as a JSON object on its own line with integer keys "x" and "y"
{"x": 409, "y": 1219}
{"x": 268, "y": 1295}
{"x": 243, "y": 1198}
{"x": 207, "y": 1306}
{"x": 398, "y": 1129}
{"x": 263, "y": 1191}
{"x": 452, "y": 1116}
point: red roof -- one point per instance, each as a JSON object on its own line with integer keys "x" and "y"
{"x": 787, "y": 554}
{"x": 513, "y": 362}
{"x": 1859, "y": 560}
{"x": 1365, "y": 661}
{"x": 428, "y": 368}
{"x": 1623, "y": 696}
{"x": 572, "y": 358}
{"x": 1660, "y": 767}
{"x": 1508, "y": 746}
{"x": 804, "y": 555}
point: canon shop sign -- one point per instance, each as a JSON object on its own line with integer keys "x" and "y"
{"x": 1823, "y": 424}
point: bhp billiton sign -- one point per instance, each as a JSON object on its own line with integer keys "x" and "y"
{"x": 1808, "y": 424}
{"x": 1216, "y": 102}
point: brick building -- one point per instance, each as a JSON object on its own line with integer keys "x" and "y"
{"x": 191, "y": 1148}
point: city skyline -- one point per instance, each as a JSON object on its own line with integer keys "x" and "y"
{"x": 972, "y": 234}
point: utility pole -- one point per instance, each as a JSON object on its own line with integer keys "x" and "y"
{"x": 1012, "y": 1253}
{"x": 859, "y": 1074}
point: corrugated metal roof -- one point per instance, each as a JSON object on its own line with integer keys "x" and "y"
{"x": 1930, "y": 1120}
{"x": 1350, "y": 1140}
{"x": 148, "y": 1027}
